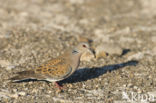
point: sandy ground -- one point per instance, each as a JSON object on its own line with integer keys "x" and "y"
{"x": 34, "y": 31}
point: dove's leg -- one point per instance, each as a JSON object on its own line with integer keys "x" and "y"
{"x": 58, "y": 85}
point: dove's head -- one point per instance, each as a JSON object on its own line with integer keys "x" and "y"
{"x": 80, "y": 48}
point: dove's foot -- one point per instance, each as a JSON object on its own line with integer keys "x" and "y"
{"x": 58, "y": 85}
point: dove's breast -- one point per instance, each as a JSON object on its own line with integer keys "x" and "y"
{"x": 75, "y": 61}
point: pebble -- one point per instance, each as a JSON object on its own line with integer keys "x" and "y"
{"x": 7, "y": 35}
{"x": 6, "y": 64}
{"x": 105, "y": 48}
{"x": 87, "y": 56}
{"x": 153, "y": 39}
{"x": 58, "y": 91}
{"x": 34, "y": 91}
{"x": 7, "y": 94}
{"x": 14, "y": 90}
{"x": 130, "y": 85}
{"x": 154, "y": 51}
{"x": 49, "y": 92}
{"x": 135, "y": 87}
{"x": 70, "y": 85}
{"x": 10, "y": 67}
{"x": 22, "y": 93}
{"x": 99, "y": 34}
{"x": 100, "y": 54}
{"x": 153, "y": 93}
{"x": 136, "y": 56}
{"x": 77, "y": 1}
{"x": 139, "y": 90}
{"x": 126, "y": 39}
{"x": 83, "y": 39}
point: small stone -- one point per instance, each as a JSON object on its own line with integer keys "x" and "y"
{"x": 70, "y": 85}
{"x": 77, "y": 1}
{"x": 130, "y": 85}
{"x": 58, "y": 91}
{"x": 83, "y": 39}
{"x": 153, "y": 93}
{"x": 99, "y": 34}
{"x": 13, "y": 95}
{"x": 4, "y": 63}
{"x": 49, "y": 92}
{"x": 84, "y": 21}
{"x": 105, "y": 48}
{"x": 139, "y": 90}
{"x": 6, "y": 94}
{"x": 129, "y": 54}
{"x": 124, "y": 85}
{"x": 7, "y": 35}
{"x": 14, "y": 90}
{"x": 100, "y": 54}
{"x": 131, "y": 75}
{"x": 24, "y": 14}
{"x": 154, "y": 51}
{"x": 135, "y": 87}
{"x": 22, "y": 93}
{"x": 87, "y": 56}
{"x": 34, "y": 91}
{"x": 10, "y": 67}
{"x": 136, "y": 56}
{"x": 126, "y": 39}
{"x": 153, "y": 39}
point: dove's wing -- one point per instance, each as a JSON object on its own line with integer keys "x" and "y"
{"x": 55, "y": 69}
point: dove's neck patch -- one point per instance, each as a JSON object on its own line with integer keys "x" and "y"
{"x": 74, "y": 51}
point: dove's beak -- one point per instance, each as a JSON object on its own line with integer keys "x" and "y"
{"x": 92, "y": 50}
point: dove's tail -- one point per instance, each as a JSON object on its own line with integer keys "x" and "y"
{"x": 24, "y": 75}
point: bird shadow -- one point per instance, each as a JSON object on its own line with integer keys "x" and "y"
{"x": 90, "y": 73}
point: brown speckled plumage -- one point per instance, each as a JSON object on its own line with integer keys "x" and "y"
{"x": 55, "y": 68}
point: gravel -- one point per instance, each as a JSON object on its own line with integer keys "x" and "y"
{"x": 33, "y": 32}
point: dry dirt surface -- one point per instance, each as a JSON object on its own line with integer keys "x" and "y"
{"x": 34, "y": 31}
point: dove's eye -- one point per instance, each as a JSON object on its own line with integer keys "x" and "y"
{"x": 84, "y": 46}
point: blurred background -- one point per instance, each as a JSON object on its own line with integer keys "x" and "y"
{"x": 122, "y": 34}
